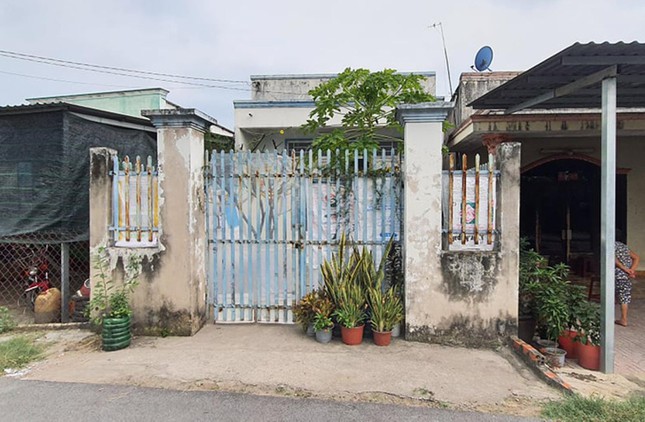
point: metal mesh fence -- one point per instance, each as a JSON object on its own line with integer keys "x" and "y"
{"x": 20, "y": 255}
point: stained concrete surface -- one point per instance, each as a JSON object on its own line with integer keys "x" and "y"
{"x": 281, "y": 360}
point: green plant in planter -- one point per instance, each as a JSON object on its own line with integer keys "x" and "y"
{"x": 340, "y": 270}
{"x": 386, "y": 308}
{"x": 551, "y": 295}
{"x": 110, "y": 300}
{"x": 588, "y": 323}
{"x": 575, "y": 297}
{"x": 322, "y": 322}
{"x": 350, "y": 308}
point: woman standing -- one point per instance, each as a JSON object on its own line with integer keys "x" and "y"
{"x": 626, "y": 265}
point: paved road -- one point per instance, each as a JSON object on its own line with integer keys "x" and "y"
{"x": 22, "y": 400}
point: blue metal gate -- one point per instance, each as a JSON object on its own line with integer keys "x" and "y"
{"x": 273, "y": 218}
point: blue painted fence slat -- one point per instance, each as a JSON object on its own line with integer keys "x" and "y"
{"x": 275, "y": 217}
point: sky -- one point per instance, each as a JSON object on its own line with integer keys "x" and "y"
{"x": 231, "y": 40}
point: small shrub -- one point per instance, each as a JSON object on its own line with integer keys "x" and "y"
{"x": 6, "y": 320}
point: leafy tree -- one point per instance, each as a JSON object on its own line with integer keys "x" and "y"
{"x": 214, "y": 142}
{"x": 367, "y": 102}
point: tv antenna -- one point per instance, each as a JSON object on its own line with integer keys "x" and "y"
{"x": 483, "y": 59}
{"x": 445, "y": 52}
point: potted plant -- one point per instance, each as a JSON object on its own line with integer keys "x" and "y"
{"x": 575, "y": 297}
{"x": 323, "y": 308}
{"x": 109, "y": 306}
{"x": 304, "y": 313}
{"x": 322, "y": 327}
{"x": 386, "y": 311}
{"x": 350, "y": 312}
{"x": 589, "y": 335}
{"x": 552, "y": 309}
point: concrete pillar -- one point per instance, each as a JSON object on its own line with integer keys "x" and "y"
{"x": 422, "y": 213}
{"x": 508, "y": 161}
{"x": 175, "y": 300}
{"x": 100, "y": 195}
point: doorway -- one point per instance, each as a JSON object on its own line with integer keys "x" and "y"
{"x": 560, "y": 211}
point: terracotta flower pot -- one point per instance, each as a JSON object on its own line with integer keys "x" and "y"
{"x": 352, "y": 336}
{"x": 589, "y": 356}
{"x": 568, "y": 343}
{"x": 382, "y": 338}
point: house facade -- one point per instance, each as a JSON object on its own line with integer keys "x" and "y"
{"x": 279, "y": 105}
{"x": 560, "y": 167}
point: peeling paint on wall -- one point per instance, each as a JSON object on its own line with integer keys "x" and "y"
{"x": 469, "y": 276}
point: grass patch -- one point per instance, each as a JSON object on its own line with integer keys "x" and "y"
{"x": 592, "y": 409}
{"x": 18, "y": 352}
{"x": 6, "y": 321}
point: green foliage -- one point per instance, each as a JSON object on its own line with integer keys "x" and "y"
{"x": 6, "y": 320}
{"x": 588, "y": 323}
{"x": 322, "y": 322}
{"x": 350, "y": 309}
{"x": 215, "y": 143}
{"x": 110, "y": 300}
{"x": 18, "y": 352}
{"x": 577, "y": 408}
{"x": 353, "y": 281}
{"x": 386, "y": 308}
{"x": 366, "y": 101}
{"x": 545, "y": 292}
{"x": 312, "y": 304}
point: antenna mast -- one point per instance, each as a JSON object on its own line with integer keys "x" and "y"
{"x": 445, "y": 52}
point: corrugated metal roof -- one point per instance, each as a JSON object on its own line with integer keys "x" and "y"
{"x": 568, "y": 66}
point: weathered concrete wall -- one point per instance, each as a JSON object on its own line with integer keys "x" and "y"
{"x": 297, "y": 87}
{"x": 466, "y": 298}
{"x": 472, "y": 86}
{"x": 171, "y": 296}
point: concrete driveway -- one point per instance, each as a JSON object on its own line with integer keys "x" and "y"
{"x": 281, "y": 360}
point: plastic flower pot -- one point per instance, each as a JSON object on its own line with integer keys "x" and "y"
{"x": 396, "y": 330}
{"x": 589, "y": 356}
{"x": 382, "y": 338}
{"x": 116, "y": 333}
{"x": 555, "y": 356}
{"x": 323, "y": 336}
{"x": 352, "y": 336}
{"x": 568, "y": 343}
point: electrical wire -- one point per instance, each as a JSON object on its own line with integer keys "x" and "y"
{"x": 63, "y": 80}
{"x": 57, "y": 62}
{"x": 129, "y": 75}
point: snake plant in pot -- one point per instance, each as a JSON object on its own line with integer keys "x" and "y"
{"x": 386, "y": 311}
{"x": 350, "y": 312}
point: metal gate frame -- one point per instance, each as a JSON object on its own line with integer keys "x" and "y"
{"x": 272, "y": 218}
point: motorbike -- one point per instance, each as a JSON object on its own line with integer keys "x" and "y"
{"x": 36, "y": 278}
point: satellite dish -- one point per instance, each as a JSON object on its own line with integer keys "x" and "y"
{"x": 483, "y": 58}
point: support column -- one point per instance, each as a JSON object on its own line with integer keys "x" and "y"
{"x": 422, "y": 235}
{"x": 176, "y": 299}
{"x": 608, "y": 223}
